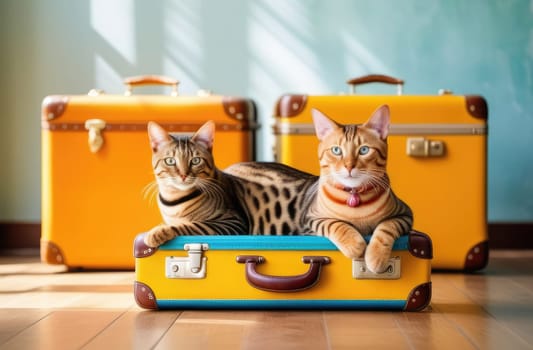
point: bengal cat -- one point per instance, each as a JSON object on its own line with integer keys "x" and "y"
{"x": 350, "y": 199}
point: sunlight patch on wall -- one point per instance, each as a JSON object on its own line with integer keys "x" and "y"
{"x": 280, "y": 41}
{"x": 360, "y": 60}
{"x": 114, "y": 21}
{"x": 183, "y": 56}
{"x": 106, "y": 77}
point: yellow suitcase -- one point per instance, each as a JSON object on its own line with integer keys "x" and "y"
{"x": 278, "y": 272}
{"x": 437, "y": 159}
{"x": 96, "y": 163}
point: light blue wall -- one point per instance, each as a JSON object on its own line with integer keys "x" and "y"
{"x": 262, "y": 49}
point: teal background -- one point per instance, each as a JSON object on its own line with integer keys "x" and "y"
{"x": 262, "y": 49}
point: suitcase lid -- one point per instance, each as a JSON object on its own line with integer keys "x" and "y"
{"x": 414, "y": 114}
{"x": 131, "y": 112}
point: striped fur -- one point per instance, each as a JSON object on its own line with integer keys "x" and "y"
{"x": 274, "y": 199}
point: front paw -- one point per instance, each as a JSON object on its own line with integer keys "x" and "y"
{"x": 351, "y": 245}
{"x": 159, "y": 235}
{"x": 377, "y": 256}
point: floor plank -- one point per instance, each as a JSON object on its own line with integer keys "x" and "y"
{"x": 46, "y": 307}
{"x": 364, "y": 330}
{"x": 62, "y": 329}
{"x": 134, "y": 329}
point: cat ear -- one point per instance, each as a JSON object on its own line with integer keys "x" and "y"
{"x": 205, "y": 135}
{"x": 323, "y": 125}
{"x": 380, "y": 121}
{"x": 158, "y": 136}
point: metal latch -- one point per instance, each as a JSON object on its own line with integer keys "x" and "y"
{"x": 360, "y": 270}
{"x": 95, "y": 127}
{"x": 422, "y": 147}
{"x": 192, "y": 266}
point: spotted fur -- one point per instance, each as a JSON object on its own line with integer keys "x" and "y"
{"x": 274, "y": 199}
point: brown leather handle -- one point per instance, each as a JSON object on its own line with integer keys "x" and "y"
{"x": 140, "y": 80}
{"x": 283, "y": 283}
{"x": 375, "y": 78}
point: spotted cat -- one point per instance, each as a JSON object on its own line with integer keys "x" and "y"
{"x": 350, "y": 199}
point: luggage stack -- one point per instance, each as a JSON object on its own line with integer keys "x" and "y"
{"x": 96, "y": 166}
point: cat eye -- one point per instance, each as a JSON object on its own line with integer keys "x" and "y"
{"x": 196, "y": 160}
{"x": 364, "y": 150}
{"x": 336, "y": 150}
{"x": 170, "y": 161}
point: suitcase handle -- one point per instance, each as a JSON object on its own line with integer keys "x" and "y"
{"x": 375, "y": 78}
{"x": 140, "y": 80}
{"x": 283, "y": 283}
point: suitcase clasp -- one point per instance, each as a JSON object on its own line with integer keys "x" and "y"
{"x": 422, "y": 147}
{"x": 95, "y": 127}
{"x": 393, "y": 271}
{"x": 192, "y": 266}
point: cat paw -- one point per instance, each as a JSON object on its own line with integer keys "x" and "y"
{"x": 377, "y": 257}
{"x": 159, "y": 235}
{"x": 351, "y": 247}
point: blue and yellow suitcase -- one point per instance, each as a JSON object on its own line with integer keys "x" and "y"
{"x": 278, "y": 272}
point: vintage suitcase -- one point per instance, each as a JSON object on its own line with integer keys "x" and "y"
{"x": 437, "y": 159}
{"x": 271, "y": 272}
{"x": 96, "y": 165}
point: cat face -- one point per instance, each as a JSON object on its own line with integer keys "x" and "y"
{"x": 180, "y": 162}
{"x": 353, "y": 156}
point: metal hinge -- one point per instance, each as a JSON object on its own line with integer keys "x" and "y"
{"x": 422, "y": 147}
{"x": 361, "y": 271}
{"x": 192, "y": 266}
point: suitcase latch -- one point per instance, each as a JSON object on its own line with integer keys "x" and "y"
{"x": 361, "y": 272}
{"x": 192, "y": 266}
{"x": 95, "y": 127}
{"x": 422, "y": 147}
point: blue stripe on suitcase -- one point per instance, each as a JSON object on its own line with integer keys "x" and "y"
{"x": 246, "y": 242}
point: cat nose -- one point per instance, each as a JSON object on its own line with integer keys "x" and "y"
{"x": 350, "y": 168}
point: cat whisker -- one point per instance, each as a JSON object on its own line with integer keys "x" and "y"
{"x": 150, "y": 192}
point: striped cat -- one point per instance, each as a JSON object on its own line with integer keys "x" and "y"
{"x": 192, "y": 193}
{"x": 351, "y": 197}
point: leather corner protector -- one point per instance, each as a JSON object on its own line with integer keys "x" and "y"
{"x": 51, "y": 253}
{"x": 477, "y": 257}
{"x": 53, "y": 107}
{"x": 140, "y": 249}
{"x": 419, "y": 298}
{"x": 290, "y": 105}
{"x": 144, "y": 296}
{"x": 420, "y": 245}
{"x": 240, "y": 109}
{"x": 477, "y": 106}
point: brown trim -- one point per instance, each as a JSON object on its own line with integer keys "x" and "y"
{"x": 509, "y": 235}
{"x": 182, "y": 127}
{"x": 477, "y": 106}
{"x": 53, "y": 106}
{"x": 290, "y": 105}
{"x": 144, "y": 296}
{"x": 420, "y": 245}
{"x": 19, "y": 235}
{"x": 419, "y": 298}
{"x": 140, "y": 249}
{"x": 240, "y": 109}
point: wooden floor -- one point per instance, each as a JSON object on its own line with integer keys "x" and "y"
{"x": 43, "y": 307}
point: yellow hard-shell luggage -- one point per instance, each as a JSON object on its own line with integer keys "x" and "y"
{"x": 96, "y": 164}
{"x": 278, "y": 272}
{"x": 436, "y": 162}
